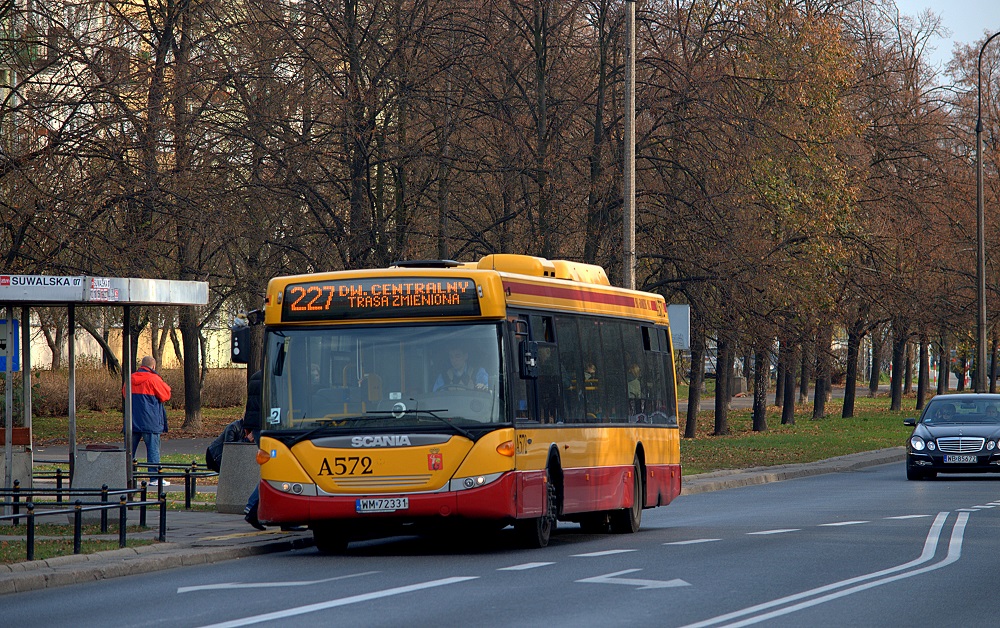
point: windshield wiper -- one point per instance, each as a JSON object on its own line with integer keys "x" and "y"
{"x": 399, "y": 412}
{"x": 317, "y": 430}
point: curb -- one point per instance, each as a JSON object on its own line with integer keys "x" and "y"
{"x": 721, "y": 480}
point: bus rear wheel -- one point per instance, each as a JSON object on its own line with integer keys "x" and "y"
{"x": 628, "y": 520}
{"x": 536, "y": 532}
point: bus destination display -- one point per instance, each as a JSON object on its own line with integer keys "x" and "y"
{"x": 395, "y": 297}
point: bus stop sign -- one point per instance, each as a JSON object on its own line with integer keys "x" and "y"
{"x": 9, "y": 344}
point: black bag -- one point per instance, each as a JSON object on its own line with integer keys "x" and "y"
{"x": 233, "y": 433}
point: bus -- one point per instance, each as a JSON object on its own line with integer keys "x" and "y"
{"x": 431, "y": 395}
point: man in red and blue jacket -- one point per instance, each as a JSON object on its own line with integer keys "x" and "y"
{"x": 149, "y": 417}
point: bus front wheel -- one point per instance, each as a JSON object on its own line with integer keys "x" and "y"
{"x": 330, "y": 539}
{"x": 536, "y": 532}
{"x": 628, "y": 520}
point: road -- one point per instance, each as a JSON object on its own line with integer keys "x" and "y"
{"x": 865, "y": 548}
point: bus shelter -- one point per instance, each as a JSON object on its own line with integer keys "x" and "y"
{"x": 23, "y": 292}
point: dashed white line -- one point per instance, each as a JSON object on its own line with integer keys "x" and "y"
{"x": 268, "y": 585}
{"x": 692, "y": 541}
{"x": 604, "y": 553}
{"x": 909, "y": 517}
{"x": 841, "y": 523}
{"x": 765, "y": 532}
{"x": 524, "y": 566}
{"x": 354, "y": 599}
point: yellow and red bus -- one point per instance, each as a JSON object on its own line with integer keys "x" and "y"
{"x": 511, "y": 391}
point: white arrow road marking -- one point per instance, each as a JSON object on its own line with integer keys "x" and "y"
{"x": 354, "y": 599}
{"x": 524, "y": 566}
{"x": 930, "y": 548}
{"x": 612, "y": 578}
{"x": 268, "y": 585}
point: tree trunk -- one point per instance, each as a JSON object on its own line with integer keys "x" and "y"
{"x": 944, "y": 366}
{"x": 788, "y": 407}
{"x": 696, "y": 380}
{"x": 779, "y": 374}
{"x": 723, "y": 374}
{"x": 760, "y": 377}
{"x": 805, "y": 376}
{"x": 854, "y": 337}
{"x": 898, "y": 358}
{"x": 923, "y": 373}
{"x": 908, "y": 370}
{"x": 875, "y": 377}
{"x": 994, "y": 348}
{"x": 823, "y": 341}
{"x": 192, "y": 376}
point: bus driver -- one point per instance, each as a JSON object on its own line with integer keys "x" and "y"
{"x": 460, "y": 374}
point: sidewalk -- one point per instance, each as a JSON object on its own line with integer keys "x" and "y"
{"x": 200, "y": 537}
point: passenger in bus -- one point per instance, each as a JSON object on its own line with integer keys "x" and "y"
{"x": 634, "y": 385}
{"x": 460, "y": 375}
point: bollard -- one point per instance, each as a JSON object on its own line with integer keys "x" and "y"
{"x": 121, "y": 521}
{"x": 17, "y": 499}
{"x": 59, "y": 482}
{"x": 163, "y": 518}
{"x": 31, "y": 531}
{"x": 142, "y": 508}
{"x": 77, "y": 526}
{"x": 187, "y": 489}
{"x": 104, "y": 511}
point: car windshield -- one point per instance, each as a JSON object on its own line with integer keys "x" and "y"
{"x": 393, "y": 377}
{"x": 946, "y": 412}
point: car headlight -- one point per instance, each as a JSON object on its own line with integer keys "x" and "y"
{"x": 917, "y": 443}
{"x": 931, "y": 445}
{"x": 990, "y": 445}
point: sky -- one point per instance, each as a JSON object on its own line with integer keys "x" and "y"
{"x": 966, "y": 19}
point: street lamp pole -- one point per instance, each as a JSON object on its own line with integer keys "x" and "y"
{"x": 628, "y": 185}
{"x": 980, "y": 383}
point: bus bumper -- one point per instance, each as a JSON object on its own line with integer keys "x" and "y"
{"x": 494, "y": 501}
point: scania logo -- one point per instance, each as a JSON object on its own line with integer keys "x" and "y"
{"x": 380, "y": 441}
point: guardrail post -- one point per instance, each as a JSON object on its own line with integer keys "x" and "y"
{"x": 142, "y": 508}
{"x": 187, "y": 489}
{"x": 163, "y": 518}
{"x": 31, "y": 531}
{"x": 104, "y": 510}
{"x": 59, "y": 482}
{"x": 122, "y": 520}
{"x": 17, "y": 500}
{"x": 77, "y": 526}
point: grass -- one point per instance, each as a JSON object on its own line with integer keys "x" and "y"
{"x": 807, "y": 440}
{"x": 17, "y": 551}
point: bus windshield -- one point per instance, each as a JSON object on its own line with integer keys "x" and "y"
{"x": 397, "y": 377}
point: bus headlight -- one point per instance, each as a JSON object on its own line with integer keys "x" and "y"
{"x": 917, "y": 443}
{"x": 475, "y": 481}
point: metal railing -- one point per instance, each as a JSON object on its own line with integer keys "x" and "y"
{"x": 17, "y": 498}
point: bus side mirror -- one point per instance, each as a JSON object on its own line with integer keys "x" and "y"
{"x": 239, "y": 345}
{"x": 529, "y": 359}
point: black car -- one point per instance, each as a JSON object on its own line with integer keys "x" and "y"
{"x": 955, "y": 434}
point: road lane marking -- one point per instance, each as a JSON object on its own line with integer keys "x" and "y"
{"x": 930, "y": 548}
{"x": 987, "y": 506}
{"x": 841, "y": 523}
{"x": 604, "y": 553}
{"x": 765, "y": 532}
{"x": 954, "y": 553}
{"x": 354, "y": 599}
{"x": 524, "y": 566}
{"x": 692, "y": 541}
{"x": 268, "y": 585}
{"x": 612, "y": 578}
{"x": 967, "y": 509}
{"x": 909, "y": 517}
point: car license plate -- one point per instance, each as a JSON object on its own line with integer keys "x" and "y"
{"x": 382, "y": 504}
{"x": 961, "y": 459}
